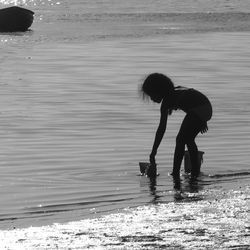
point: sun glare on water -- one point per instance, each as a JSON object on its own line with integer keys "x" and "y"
{"x": 28, "y": 2}
{"x": 13, "y": 2}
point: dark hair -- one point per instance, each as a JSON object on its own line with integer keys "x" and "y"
{"x": 157, "y": 84}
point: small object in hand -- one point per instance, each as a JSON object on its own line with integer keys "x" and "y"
{"x": 148, "y": 169}
{"x": 144, "y": 166}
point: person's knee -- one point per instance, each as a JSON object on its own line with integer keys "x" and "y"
{"x": 190, "y": 143}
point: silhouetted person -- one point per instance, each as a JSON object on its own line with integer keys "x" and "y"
{"x": 160, "y": 89}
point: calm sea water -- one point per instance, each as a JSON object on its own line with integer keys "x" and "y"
{"x": 72, "y": 125}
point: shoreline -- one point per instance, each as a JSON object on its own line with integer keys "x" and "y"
{"x": 219, "y": 222}
{"x": 159, "y": 193}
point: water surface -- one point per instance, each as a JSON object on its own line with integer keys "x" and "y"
{"x": 73, "y": 127}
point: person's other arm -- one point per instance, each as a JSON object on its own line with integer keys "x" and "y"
{"x": 160, "y": 131}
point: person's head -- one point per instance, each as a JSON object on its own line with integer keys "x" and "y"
{"x": 157, "y": 86}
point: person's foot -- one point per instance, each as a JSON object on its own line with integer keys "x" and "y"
{"x": 194, "y": 178}
{"x": 176, "y": 175}
{"x": 194, "y": 175}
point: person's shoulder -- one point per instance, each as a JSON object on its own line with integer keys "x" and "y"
{"x": 189, "y": 91}
{"x": 196, "y": 92}
{"x": 181, "y": 90}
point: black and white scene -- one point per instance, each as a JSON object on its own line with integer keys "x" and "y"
{"x": 124, "y": 124}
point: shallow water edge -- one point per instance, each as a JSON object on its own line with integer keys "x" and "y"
{"x": 219, "y": 222}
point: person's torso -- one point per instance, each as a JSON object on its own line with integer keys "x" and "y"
{"x": 188, "y": 99}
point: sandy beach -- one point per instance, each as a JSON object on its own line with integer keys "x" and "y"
{"x": 221, "y": 221}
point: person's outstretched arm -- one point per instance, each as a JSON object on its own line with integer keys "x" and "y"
{"x": 160, "y": 132}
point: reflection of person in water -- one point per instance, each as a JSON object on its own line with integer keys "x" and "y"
{"x": 160, "y": 89}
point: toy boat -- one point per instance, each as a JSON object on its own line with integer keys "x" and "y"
{"x": 13, "y": 19}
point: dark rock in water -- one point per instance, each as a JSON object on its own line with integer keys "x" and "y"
{"x": 15, "y": 19}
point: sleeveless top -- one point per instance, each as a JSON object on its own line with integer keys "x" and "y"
{"x": 191, "y": 101}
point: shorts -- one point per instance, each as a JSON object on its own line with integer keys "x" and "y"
{"x": 204, "y": 112}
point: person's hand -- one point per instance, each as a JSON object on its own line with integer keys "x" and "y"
{"x": 152, "y": 159}
{"x": 152, "y": 171}
{"x": 204, "y": 129}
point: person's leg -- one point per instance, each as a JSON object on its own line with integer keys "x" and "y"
{"x": 196, "y": 126}
{"x": 193, "y": 153}
{"x": 189, "y": 129}
{"x": 178, "y": 154}
{"x": 180, "y": 147}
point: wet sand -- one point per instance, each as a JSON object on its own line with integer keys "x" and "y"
{"x": 221, "y": 221}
